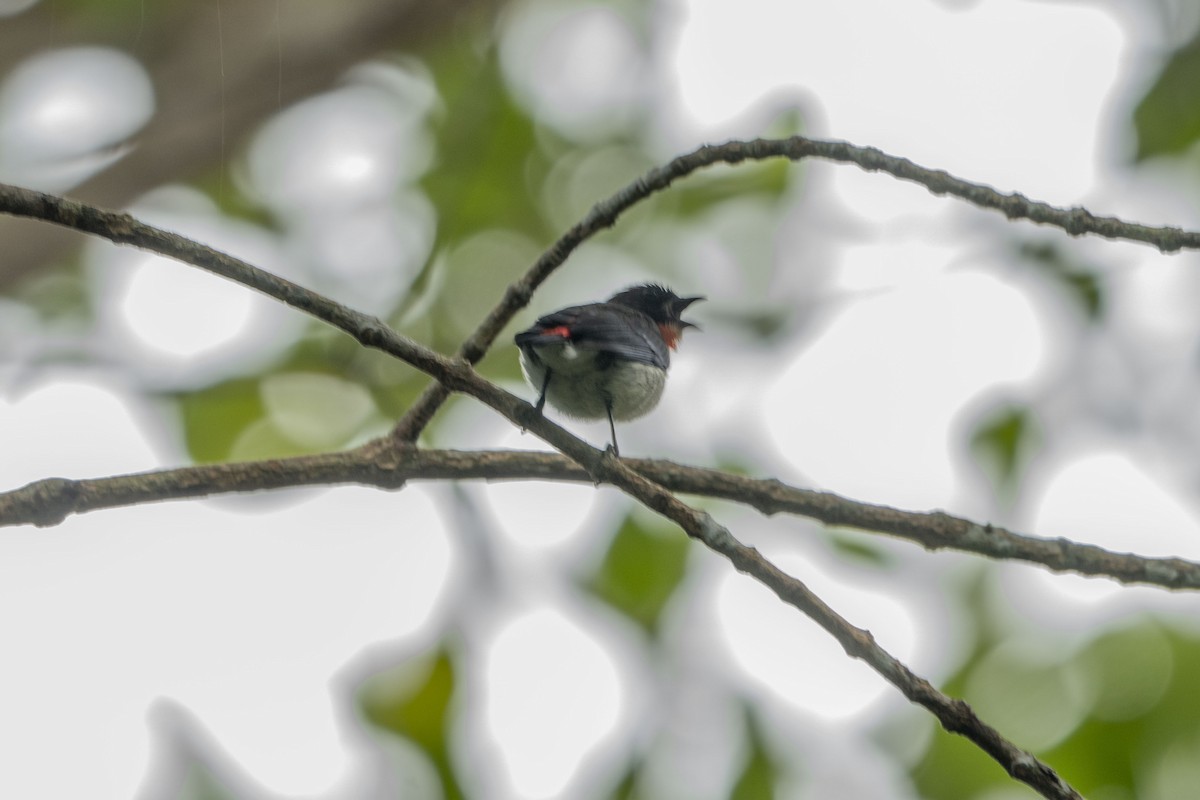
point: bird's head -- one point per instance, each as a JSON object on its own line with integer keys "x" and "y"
{"x": 662, "y": 305}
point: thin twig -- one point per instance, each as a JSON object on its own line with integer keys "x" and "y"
{"x": 1075, "y": 221}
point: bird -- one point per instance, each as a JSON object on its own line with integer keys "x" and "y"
{"x": 606, "y": 359}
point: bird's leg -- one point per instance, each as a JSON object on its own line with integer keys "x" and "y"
{"x": 539, "y": 405}
{"x": 541, "y": 401}
{"x": 612, "y": 427}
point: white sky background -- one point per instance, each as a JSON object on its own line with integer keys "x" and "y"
{"x": 108, "y": 612}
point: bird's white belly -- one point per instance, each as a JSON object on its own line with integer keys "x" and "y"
{"x": 582, "y": 389}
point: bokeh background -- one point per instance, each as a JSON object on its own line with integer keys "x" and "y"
{"x": 540, "y": 641}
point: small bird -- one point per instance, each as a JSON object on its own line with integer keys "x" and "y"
{"x": 605, "y": 359}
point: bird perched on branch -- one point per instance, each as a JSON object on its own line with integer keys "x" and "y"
{"x": 605, "y": 359}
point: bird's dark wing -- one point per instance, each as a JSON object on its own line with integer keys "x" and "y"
{"x": 622, "y": 332}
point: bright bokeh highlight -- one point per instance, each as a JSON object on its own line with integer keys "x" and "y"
{"x": 552, "y": 695}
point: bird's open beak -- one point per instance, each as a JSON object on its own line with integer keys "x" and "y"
{"x": 683, "y": 303}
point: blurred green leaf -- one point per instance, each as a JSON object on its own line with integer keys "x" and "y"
{"x": 233, "y": 419}
{"x": 1131, "y": 668}
{"x": 413, "y": 701}
{"x": 115, "y": 15}
{"x": 641, "y": 570}
{"x": 789, "y": 120}
{"x": 485, "y": 144}
{"x": 200, "y": 783}
{"x": 1085, "y": 287}
{"x": 704, "y": 191}
{"x": 859, "y": 547}
{"x": 1144, "y": 675}
{"x": 626, "y": 789}
{"x": 757, "y": 781}
{"x": 323, "y": 350}
{"x": 956, "y": 769}
{"x": 224, "y": 192}
{"x": 1099, "y": 755}
{"x": 1181, "y": 702}
{"x": 1102, "y": 757}
{"x": 768, "y": 324}
{"x": 505, "y": 364}
{"x": 214, "y": 418}
{"x": 953, "y": 768}
{"x": 277, "y": 415}
{"x": 1002, "y": 443}
{"x": 58, "y": 295}
{"x": 1081, "y": 283}
{"x": 1167, "y": 120}
{"x": 489, "y": 159}
{"x": 475, "y": 272}
{"x": 393, "y": 384}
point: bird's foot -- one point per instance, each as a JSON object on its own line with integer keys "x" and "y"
{"x": 528, "y": 415}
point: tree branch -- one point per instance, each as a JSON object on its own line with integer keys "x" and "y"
{"x": 50, "y": 501}
{"x": 1076, "y": 221}
{"x": 955, "y": 715}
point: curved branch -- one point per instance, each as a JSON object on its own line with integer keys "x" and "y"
{"x": 1076, "y": 221}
